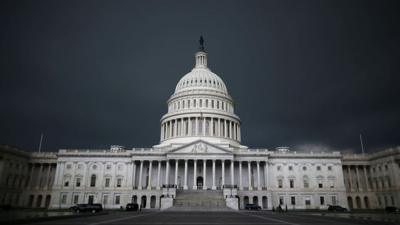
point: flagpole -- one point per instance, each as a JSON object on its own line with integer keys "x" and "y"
{"x": 362, "y": 145}
{"x": 40, "y": 143}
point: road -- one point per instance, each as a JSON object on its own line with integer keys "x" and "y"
{"x": 209, "y": 218}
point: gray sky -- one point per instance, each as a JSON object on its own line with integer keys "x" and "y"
{"x": 89, "y": 74}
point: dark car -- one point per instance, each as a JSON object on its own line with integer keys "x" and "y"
{"x": 132, "y": 207}
{"x": 337, "y": 208}
{"x": 392, "y": 209}
{"x": 93, "y": 208}
{"x": 252, "y": 207}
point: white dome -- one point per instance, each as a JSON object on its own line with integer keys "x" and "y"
{"x": 201, "y": 79}
{"x": 200, "y": 108}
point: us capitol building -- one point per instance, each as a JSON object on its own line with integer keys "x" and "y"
{"x": 199, "y": 163}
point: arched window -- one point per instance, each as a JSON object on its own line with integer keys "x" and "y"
{"x": 93, "y": 181}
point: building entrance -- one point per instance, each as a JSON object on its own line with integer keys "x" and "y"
{"x": 199, "y": 182}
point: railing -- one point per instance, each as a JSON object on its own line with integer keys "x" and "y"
{"x": 229, "y": 186}
{"x": 169, "y": 185}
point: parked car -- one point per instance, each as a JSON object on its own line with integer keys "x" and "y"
{"x": 132, "y": 207}
{"x": 93, "y": 208}
{"x": 252, "y": 207}
{"x": 392, "y": 209}
{"x": 337, "y": 208}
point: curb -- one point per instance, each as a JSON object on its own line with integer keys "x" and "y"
{"x": 51, "y": 218}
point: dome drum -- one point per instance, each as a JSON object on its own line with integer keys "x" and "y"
{"x": 200, "y": 108}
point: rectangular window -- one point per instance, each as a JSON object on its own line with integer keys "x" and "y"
{"x": 93, "y": 181}
{"x": 64, "y": 199}
{"x": 105, "y": 200}
{"x": 76, "y": 199}
{"x": 320, "y": 184}
{"x": 117, "y": 200}
{"x": 280, "y": 183}
{"x": 66, "y": 183}
{"x": 291, "y": 181}
{"x": 293, "y": 200}
{"x": 308, "y": 202}
{"x": 322, "y": 200}
{"x": 107, "y": 184}
{"x": 119, "y": 182}
{"x": 78, "y": 182}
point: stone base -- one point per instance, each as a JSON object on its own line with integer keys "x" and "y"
{"x": 166, "y": 203}
{"x": 232, "y": 203}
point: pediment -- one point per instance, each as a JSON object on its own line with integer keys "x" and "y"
{"x": 200, "y": 147}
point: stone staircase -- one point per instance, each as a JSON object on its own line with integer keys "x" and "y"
{"x": 199, "y": 200}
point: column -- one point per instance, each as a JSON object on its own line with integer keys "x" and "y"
{"x": 372, "y": 180}
{"x": 175, "y": 128}
{"x": 167, "y": 172}
{"x": 33, "y": 169}
{"x": 150, "y": 170}
{"x": 204, "y": 174}
{"x": 350, "y": 177}
{"x": 176, "y": 172}
{"x": 158, "y": 174}
{"x": 223, "y": 173}
{"x": 140, "y": 175}
{"x": 226, "y": 128}
{"x": 230, "y": 129}
{"x": 249, "y": 171}
{"x": 204, "y": 126}
{"x": 87, "y": 178}
{"x": 183, "y": 130}
{"x": 185, "y": 187}
{"x": 128, "y": 174}
{"x": 190, "y": 127}
{"x": 48, "y": 176}
{"x": 258, "y": 176}
{"x": 266, "y": 174}
{"x": 61, "y": 174}
{"x": 232, "y": 173}
{"x": 366, "y": 177}
{"x": 38, "y": 183}
{"x": 240, "y": 176}
{"x": 194, "y": 174}
{"x": 219, "y": 127}
{"x": 212, "y": 127}
{"x": 134, "y": 175}
{"x": 101, "y": 175}
{"x": 213, "y": 175}
{"x": 239, "y": 136}
{"x": 162, "y": 132}
{"x": 358, "y": 178}
{"x": 196, "y": 125}
{"x": 170, "y": 128}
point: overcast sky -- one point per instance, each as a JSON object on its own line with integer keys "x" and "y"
{"x": 303, "y": 74}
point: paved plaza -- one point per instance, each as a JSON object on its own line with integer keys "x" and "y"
{"x": 205, "y": 218}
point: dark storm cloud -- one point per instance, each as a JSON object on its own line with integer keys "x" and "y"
{"x": 302, "y": 73}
